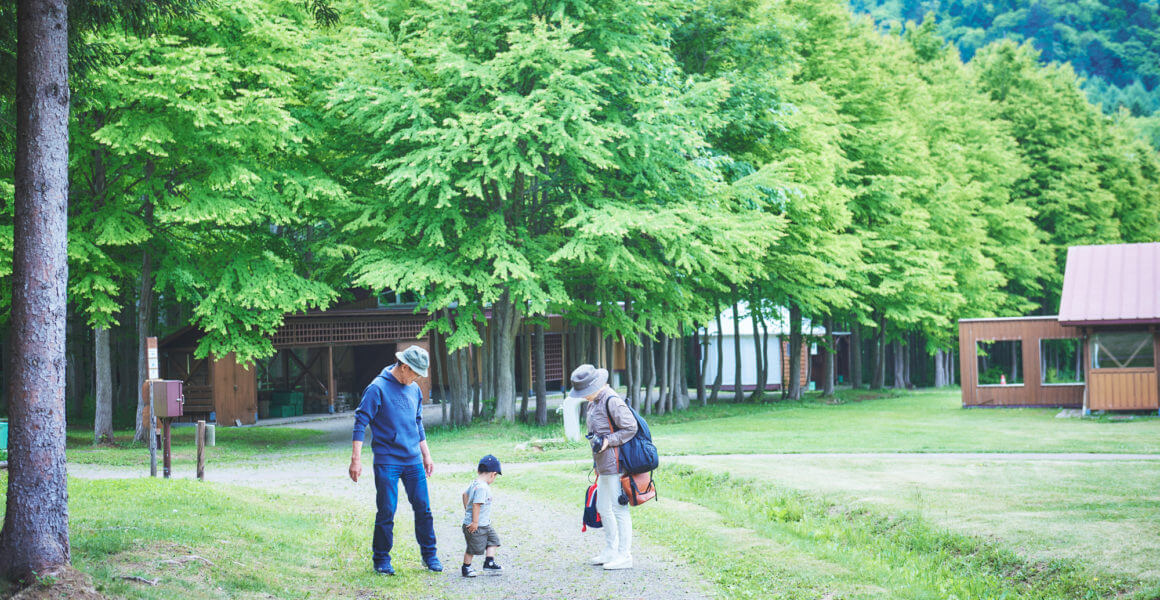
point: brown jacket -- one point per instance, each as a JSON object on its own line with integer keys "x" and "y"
{"x": 606, "y": 462}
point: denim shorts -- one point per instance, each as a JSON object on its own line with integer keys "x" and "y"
{"x": 478, "y": 542}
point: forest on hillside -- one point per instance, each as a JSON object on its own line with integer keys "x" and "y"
{"x": 1113, "y": 45}
{"x": 634, "y": 167}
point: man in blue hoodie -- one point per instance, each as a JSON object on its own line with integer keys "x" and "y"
{"x": 392, "y": 406}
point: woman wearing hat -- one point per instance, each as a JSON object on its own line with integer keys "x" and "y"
{"x": 610, "y": 425}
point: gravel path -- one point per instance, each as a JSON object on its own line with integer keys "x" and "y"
{"x": 544, "y": 554}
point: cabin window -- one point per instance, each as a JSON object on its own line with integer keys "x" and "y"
{"x": 1122, "y": 350}
{"x": 1060, "y": 361}
{"x": 1000, "y": 362}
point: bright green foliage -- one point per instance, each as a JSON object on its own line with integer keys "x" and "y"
{"x": 988, "y": 240}
{"x": 782, "y": 138}
{"x": 537, "y": 151}
{"x": 1089, "y": 181}
{"x": 189, "y": 143}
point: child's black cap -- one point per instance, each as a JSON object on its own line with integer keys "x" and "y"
{"x": 489, "y": 464}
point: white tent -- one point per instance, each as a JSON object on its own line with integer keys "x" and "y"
{"x": 778, "y": 329}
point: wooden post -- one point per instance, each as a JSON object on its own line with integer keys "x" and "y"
{"x": 165, "y": 440}
{"x": 330, "y": 391}
{"x": 152, "y": 433}
{"x": 201, "y": 450}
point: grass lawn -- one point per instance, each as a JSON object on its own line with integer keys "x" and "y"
{"x": 233, "y": 444}
{"x": 260, "y": 544}
{"x": 755, "y": 540}
{"x": 818, "y": 522}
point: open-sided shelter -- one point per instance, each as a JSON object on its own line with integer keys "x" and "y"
{"x": 1099, "y": 353}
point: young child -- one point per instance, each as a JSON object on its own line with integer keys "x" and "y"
{"x": 481, "y": 537}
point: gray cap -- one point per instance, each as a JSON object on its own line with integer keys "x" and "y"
{"x": 416, "y": 358}
{"x": 587, "y": 380}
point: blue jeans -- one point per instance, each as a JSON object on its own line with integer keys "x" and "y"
{"x": 387, "y": 497}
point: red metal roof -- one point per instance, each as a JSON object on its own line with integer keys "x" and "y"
{"x": 1111, "y": 285}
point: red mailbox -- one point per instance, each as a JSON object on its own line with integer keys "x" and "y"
{"x": 168, "y": 401}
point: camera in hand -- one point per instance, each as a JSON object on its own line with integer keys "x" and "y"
{"x": 597, "y": 441}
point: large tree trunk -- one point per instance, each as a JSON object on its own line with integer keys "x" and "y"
{"x": 665, "y": 372}
{"x": 720, "y": 357}
{"x": 878, "y": 357}
{"x": 795, "y": 352}
{"x": 899, "y": 365}
{"x": 638, "y": 373}
{"x": 103, "y": 420}
{"x": 683, "y": 376}
{"x": 831, "y": 347}
{"x": 940, "y": 373}
{"x": 526, "y": 370}
{"x": 702, "y": 363}
{"x": 145, "y": 305}
{"x": 758, "y": 352}
{"x": 907, "y": 350}
{"x": 856, "y": 355}
{"x": 738, "y": 384}
{"x": 651, "y": 367}
{"x": 541, "y": 376}
{"x": 458, "y": 375}
{"x": 35, "y": 533}
{"x": 507, "y": 320}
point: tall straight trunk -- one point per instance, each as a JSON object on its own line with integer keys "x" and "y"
{"x": 610, "y": 352}
{"x": 438, "y": 377}
{"x": 764, "y": 383}
{"x": 103, "y": 420}
{"x": 940, "y": 373}
{"x": 508, "y": 319}
{"x": 594, "y": 348}
{"x": 35, "y": 534}
{"x": 144, "y": 307}
{"x": 702, "y": 363}
{"x": 738, "y": 384}
{"x": 831, "y": 348}
{"x": 651, "y": 367}
{"x": 951, "y": 367}
{"x": 907, "y": 350}
{"x": 458, "y": 375}
{"x": 478, "y": 368}
{"x": 682, "y": 375}
{"x": 526, "y": 369}
{"x": 629, "y": 375}
{"x": 899, "y": 365}
{"x": 638, "y": 376}
{"x": 674, "y": 372}
{"x": 758, "y": 352}
{"x": 720, "y": 357}
{"x": 795, "y": 352}
{"x": 541, "y": 377}
{"x": 856, "y": 355}
{"x": 878, "y": 357}
{"x": 665, "y": 374}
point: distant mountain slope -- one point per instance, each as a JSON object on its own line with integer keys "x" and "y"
{"x": 1115, "y": 45}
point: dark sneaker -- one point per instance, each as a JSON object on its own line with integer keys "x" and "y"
{"x": 385, "y": 569}
{"x": 467, "y": 571}
{"x": 492, "y": 568}
{"x": 434, "y": 564}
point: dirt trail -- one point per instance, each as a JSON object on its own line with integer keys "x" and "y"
{"x": 544, "y": 553}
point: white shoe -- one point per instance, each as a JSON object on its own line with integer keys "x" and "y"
{"x": 622, "y": 562}
{"x": 602, "y": 558}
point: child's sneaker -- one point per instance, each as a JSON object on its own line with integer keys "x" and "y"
{"x": 491, "y": 568}
{"x": 467, "y": 571}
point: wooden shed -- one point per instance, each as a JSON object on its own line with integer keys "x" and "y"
{"x": 1099, "y": 353}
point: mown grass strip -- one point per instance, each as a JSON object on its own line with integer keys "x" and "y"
{"x": 753, "y": 540}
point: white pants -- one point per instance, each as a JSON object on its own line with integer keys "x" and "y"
{"x": 615, "y": 516}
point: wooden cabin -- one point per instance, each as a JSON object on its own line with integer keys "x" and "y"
{"x": 324, "y": 360}
{"x": 1099, "y": 353}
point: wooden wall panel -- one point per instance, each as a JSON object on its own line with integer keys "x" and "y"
{"x": 1124, "y": 389}
{"x": 1031, "y": 392}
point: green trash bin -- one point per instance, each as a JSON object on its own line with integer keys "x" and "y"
{"x": 4, "y": 435}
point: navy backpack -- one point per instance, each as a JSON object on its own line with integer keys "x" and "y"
{"x": 638, "y": 455}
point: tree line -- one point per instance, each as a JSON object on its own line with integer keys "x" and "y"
{"x": 633, "y": 167}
